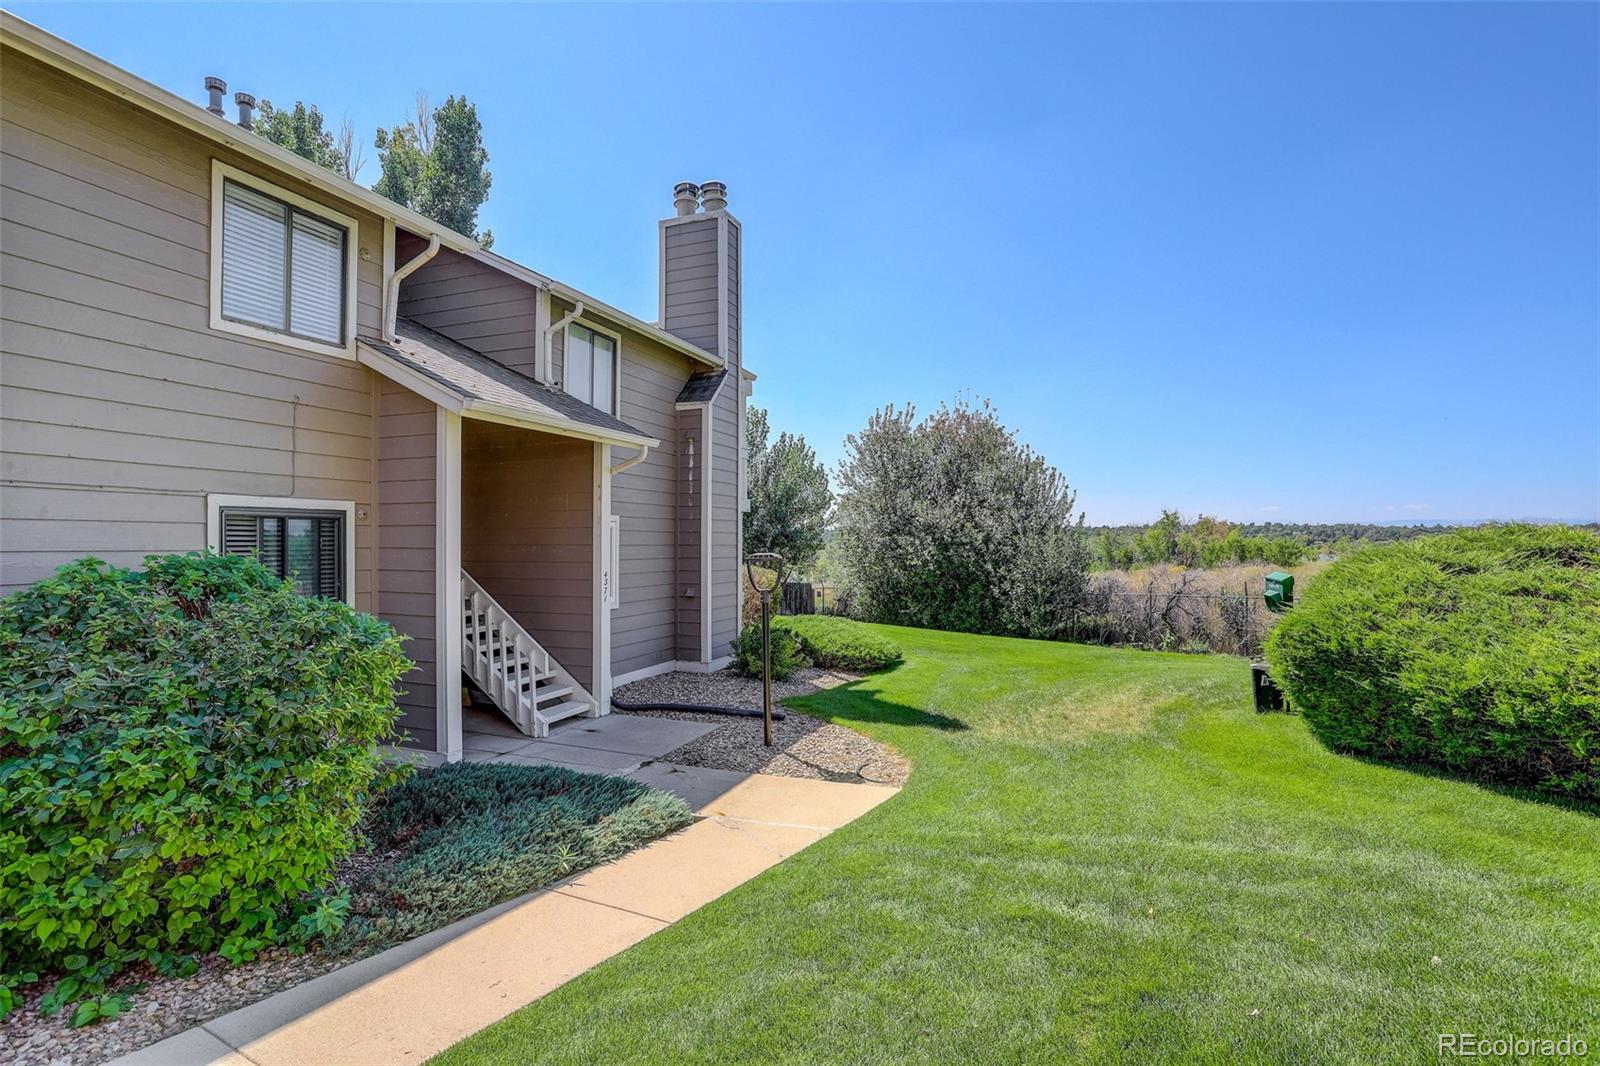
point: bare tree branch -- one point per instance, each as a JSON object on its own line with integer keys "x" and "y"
{"x": 351, "y": 156}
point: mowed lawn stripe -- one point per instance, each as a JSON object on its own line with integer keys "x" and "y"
{"x": 1106, "y": 853}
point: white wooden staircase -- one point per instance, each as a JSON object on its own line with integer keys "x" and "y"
{"x": 519, "y": 676}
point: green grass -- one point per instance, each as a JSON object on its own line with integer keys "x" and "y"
{"x": 1106, "y": 855}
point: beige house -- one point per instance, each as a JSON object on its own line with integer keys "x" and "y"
{"x": 208, "y": 341}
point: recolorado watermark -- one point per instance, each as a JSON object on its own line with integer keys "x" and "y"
{"x": 1476, "y": 1046}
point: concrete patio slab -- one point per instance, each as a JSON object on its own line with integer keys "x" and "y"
{"x": 651, "y": 737}
{"x": 594, "y": 760}
{"x": 696, "y": 784}
{"x": 496, "y": 742}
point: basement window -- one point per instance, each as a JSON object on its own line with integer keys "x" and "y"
{"x": 282, "y": 267}
{"x": 308, "y": 545}
{"x": 591, "y": 367}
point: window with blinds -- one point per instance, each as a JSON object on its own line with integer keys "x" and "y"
{"x": 282, "y": 268}
{"x": 306, "y": 547}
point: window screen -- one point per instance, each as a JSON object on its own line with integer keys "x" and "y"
{"x": 306, "y": 547}
{"x": 591, "y": 367}
{"x": 282, "y": 269}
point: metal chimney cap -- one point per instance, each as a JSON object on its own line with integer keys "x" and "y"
{"x": 686, "y": 198}
{"x": 216, "y": 85}
{"x": 713, "y": 195}
{"x": 244, "y": 99}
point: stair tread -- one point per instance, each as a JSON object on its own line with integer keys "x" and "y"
{"x": 563, "y": 710}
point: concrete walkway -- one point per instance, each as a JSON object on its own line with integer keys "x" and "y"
{"x": 418, "y": 998}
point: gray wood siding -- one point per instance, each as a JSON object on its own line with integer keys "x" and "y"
{"x": 690, "y": 300}
{"x": 472, "y": 303}
{"x": 120, "y": 408}
{"x": 527, "y": 533}
{"x": 726, "y": 521}
{"x": 407, "y": 490}
{"x": 690, "y": 482}
{"x": 645, "y": 500}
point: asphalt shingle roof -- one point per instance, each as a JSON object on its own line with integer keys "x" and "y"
{"x": 474, "y": 376}
{"x": 702, "y": 386}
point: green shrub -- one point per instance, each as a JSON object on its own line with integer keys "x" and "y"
{"x": 1476, "y": 651}
{"x": 187, "y": 751}
{"x": 840, "y": 643}
{"x": 786, "y": 654}
{"x": 475, "y": 834}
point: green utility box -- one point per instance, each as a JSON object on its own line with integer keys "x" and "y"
{"x": 1280, "y": 591}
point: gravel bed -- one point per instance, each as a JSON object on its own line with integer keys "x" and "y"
{"x": 802, "y": 746}
{"x": 165, "y": 1006}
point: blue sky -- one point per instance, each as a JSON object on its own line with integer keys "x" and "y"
{"x": 1277, "y": 262}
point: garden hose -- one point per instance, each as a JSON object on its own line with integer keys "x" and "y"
{"x": 695, "y": 708}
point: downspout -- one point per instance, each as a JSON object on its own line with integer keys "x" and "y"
{"x": 626, "y": 464}
{"x": 391, "y": 298}
{"x": 546, "y": 360}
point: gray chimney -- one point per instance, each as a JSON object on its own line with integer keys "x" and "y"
{"x": 686, "y": 198}
{"x": 700, "y": 277}
{"x": 713, "y": 195}
{"x": 216, "y": 87}
{"x": 247, "y": 106}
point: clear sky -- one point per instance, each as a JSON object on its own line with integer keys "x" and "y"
{"x": 1272, "y": 261}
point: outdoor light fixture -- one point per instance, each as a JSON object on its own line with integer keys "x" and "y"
{"x": 774, "y": 563}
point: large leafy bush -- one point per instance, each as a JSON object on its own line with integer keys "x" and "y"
{"x": 840, "y": 643}
{"x": 950, "y": 523}
{"x": 1477, "y": 652}
{"x": 185, "y": 752}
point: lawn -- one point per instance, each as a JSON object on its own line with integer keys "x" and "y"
{"x": 1105, "y": 854}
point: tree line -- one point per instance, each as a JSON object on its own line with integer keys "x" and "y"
{"x": 434, "y": 162}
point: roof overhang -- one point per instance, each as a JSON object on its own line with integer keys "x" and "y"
{"x": 458, "y": 400}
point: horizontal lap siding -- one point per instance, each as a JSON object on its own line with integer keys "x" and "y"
{"x": 527, "y": 533}
{"x": 407, "y": 446}
{"x": 120, "y": 409}
{"x": 690, "y": 309}
{"x": 725, "y": 519}
{"x": 645, "y": 500}
{"x": 690, "y": 483}
{"x": 473, "y": 304}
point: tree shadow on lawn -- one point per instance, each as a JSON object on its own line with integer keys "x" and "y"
{"x": 851, "y": 702}
{"x": 1524, "y": 793}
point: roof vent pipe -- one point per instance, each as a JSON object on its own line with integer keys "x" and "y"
{"x": 247, "y": 106}
{"x": 216, "y": 87}
{"x": 686, "y": 198}
{"x": 713, "y": 195}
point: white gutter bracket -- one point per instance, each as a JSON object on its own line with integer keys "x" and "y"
{"x": 391, "y": 298}
{"x": 546, "y": 353}
{"x": 633, "y": 461}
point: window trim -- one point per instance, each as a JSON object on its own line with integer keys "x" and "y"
{"x": 220, "y": 173}
{"x": 216, "y": 503}
{"x": 616, "y": 370}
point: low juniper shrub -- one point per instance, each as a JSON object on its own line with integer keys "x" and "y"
{"x": 185, "y": 753}
{"x": 1477, "y": 652}
{"x": 466, "y": 836}
{"x": 840, "y": 643}
{"x": 786, "y": 654}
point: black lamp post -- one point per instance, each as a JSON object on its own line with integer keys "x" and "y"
{"x": 774, "y": 563}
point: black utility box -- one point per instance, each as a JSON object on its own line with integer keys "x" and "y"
{"x": 1268, "y": 696}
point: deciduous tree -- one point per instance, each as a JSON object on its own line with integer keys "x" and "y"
{"x": 789, "y": 494}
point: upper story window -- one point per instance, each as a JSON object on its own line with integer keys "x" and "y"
{"x": 591, "y": 367}
{"x": 283, "y": 267}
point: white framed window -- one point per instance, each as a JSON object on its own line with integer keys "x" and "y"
{"x": 591, "y": 370}
{"x": 311, "y": 542}
{"x": 611, "y": 579}
{"x": 283, "y": 268}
